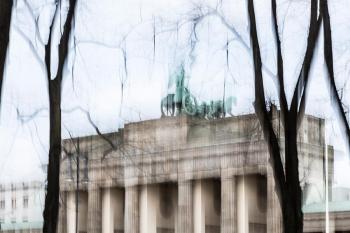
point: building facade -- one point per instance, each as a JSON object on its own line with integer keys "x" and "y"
{"x": 184, "y": 175}
{"x": 21, "y": 207}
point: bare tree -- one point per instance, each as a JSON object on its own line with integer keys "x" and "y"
{"x": 328, "y": 56}
{"x": 54, "y": 86}
{"x": 5, "y": 21}
{"x": 286, "y": 172}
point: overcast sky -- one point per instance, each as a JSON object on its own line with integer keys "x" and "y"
{"x": 106, "y": 30}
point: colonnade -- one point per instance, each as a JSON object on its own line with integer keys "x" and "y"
{"x": 135, "y": 209}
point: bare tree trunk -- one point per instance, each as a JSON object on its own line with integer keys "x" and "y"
{"x": 5, "y": 21}
{"x": 53, "y": 186}
{"x": 292, "y": 200}
{"x": 288, "y": 184}
{"x": 54, "y": 85}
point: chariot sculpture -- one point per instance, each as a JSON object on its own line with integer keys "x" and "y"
{"x": 184, "y": 102}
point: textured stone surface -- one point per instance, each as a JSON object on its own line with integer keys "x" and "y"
{"x": 181, "y": 150}
{"x": 94, "y": 210}
{"x": 131, "y": 217}
{"x": 228, "y": 205}
{"x": 185, "y": 211}
{"x": 62, "y": 215}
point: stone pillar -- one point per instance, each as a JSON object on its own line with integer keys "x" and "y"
{"x": 198, "y": 207}
{"x": 71, "y": 212}
{"x": 62, "y": 214}
{"x": 185, "y": 207}
{"x": 228, "y": 205}
{"x": 274, "y": 215}
{"x": 148, "y": 208}
{"x": 107, "y": 211}
{"x": 131, "y": 216}
{"x": 94, "y": 210}
{"x": 242, "y": 205}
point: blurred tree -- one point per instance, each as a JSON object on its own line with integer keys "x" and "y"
{"x": 5, "y": 21}
{"x": 51, "y": 207}
{"x": 287, "y": 175}
{"x": 328, "y": 56}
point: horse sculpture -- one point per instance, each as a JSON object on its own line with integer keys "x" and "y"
{"x": 216, "y": 109}
{"x": 184, "y": 102}
{"x": 168, "y": 105}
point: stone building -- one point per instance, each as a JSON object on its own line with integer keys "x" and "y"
{"x": 184, "y": 175}
{"x": 21, "y": 206}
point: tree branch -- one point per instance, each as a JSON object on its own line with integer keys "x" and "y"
{"x": 32, "y": 47}
{"x": 27, "y": 118}
{"x": 328, "y": 55}
{"x": 280, "y": 73}
{"x": 260, "y": 105}
{"x": 5, "y": 22}
{"x": 239, "y": 38}
{"x": 114, "y": 146}
{"x": 35, "y": 20}
{"x": 303, "y": 78}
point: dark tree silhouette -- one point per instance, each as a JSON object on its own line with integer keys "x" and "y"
{"x": 286, "y": 172}
{"x": 54, "y": 85}
{"x": 328, "y": 56}
{"x": 5, "y": 21}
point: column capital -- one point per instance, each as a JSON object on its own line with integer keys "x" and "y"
{"x": 92, "y": 187}
{"x": 184, "y": 182}
{"x": 227, "y": 174}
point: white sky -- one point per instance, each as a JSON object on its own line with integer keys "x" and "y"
{"x": 104, "y": 29}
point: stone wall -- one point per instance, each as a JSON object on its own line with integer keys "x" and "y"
{"x": 186, "y": 152}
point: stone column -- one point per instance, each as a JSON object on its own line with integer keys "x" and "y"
{"x": 62, "y": 215}
{"x": 242, "y": 205}
{"x": 198, "y": 207}
{"x": 131, "y": 216}
{"x": 148, "y": 208}
{"x": 274, "y": 215}
{"x": 94, "y": 210}
{"x": 228, "y": 205}
{"x": 185, "y": 207}
{"x": 107, "y": 211}
{"x": 71, "y": 212}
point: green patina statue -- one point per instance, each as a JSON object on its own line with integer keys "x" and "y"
{"x": 183, "y": 102}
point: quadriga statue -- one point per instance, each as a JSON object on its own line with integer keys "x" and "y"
{"x": 180, "y": 101}
{"x": 216, "y": 109}
{"x": 183, "y": 102}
